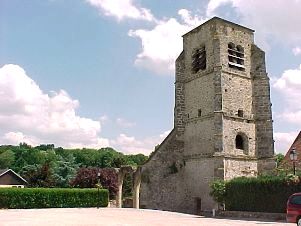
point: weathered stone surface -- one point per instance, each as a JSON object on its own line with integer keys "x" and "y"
{"x": 222, "y": 121}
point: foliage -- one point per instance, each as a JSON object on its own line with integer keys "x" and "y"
{"x": 24, "y": 198}
{"x": 262, "y": 194}
{"x": 279, "y": 158}
{"x": 87, "y": 178}
{"x": 38, "y": 176}
{"x": 7, "y": 158}
{"x": 138, "y": 159}
{"x": 64, "y": 171}
{"x": 48, "y": 166}
{"x": 218, "y": 191}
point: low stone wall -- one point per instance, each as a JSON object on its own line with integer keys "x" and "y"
{"x": 254, "y": 215}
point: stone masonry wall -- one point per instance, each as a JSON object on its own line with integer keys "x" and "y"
{"x": 179, "y": 110}
{"x": 234, "y": 127}
{"x": 199, "y": 173}
{"x": 162, "y": 183}
{"x": 262, "y": 105}
{"x": 240, "y": 168}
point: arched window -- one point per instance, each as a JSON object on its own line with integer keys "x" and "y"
{"x": 199, "y": 59}
{"x": 236, "y": 56}
{"x": 239, "y": 142}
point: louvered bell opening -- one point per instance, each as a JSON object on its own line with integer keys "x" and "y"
{"x": 195, "y": 54}
{"x": 195, "y": 63}
{"x": 240, "y": 51}
{"x": 199, "y": 60}
{"x": 202, "y": 61}
{"x": 236, "y": 66}
{"x": 236, "y": 57}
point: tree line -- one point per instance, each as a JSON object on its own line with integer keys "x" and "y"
{"x": 49, "y": 166}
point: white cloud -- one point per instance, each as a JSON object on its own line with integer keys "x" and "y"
{"x": 124, "y": 123}
{"x": 293, "y": 117}
{"x": 297, "y": 51}
{"x": 18, "y": 137}
{"x": 162, "y": 44}
{"x": 122, "y": 9}
{"x": 272, "y": 20}
{"x": 283, "y": 141}
{"x": 27, "y": 114}
{"x": 131, "y": 145}
{"x": 188, "y": 19}
{"x": 289, "y": 84}
{"x": 213, "y": 5}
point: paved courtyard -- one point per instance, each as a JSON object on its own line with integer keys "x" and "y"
{"x": 114, "y": 217}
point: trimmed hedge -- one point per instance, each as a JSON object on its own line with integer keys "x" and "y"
{"x": 25, "y": 198}
{"x": 263, "y": 194}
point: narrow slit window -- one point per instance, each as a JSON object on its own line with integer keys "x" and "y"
{"x": 199, "y": 112}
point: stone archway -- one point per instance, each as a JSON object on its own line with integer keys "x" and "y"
{"x": 121, "y": 172}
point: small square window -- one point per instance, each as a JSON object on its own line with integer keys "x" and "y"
{"x": 240, "y": 113}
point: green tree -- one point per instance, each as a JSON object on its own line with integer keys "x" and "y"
{"x": 7, "y": 158}
{"x": 138, "y": 159}
{"x": 26, "y": 155}
{"x": 64, "y": 170}
{"x": 38, "y": 175}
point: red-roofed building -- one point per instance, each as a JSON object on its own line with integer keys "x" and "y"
{"x": 297, "y": 146}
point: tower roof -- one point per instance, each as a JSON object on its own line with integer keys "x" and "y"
{"x": 214, "y": 19}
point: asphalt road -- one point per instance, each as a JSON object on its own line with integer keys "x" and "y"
{"x": 115, "y": 217}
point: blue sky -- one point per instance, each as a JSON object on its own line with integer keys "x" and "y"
{"x": 93, "y": 73}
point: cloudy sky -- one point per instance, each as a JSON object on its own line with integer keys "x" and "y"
{"x": 95, "y": 73}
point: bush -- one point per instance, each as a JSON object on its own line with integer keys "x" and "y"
{"x": 87, "y": 178}
{"x": 262, "y": 194}
{"x": 218, "y": 191}
{"x": 25, "y": 198}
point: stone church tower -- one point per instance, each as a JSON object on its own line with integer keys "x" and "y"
{"x": 222, "y": 120}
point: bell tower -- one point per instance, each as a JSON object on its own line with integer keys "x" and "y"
{"x": 225, "y": 110}
{"x": 222, "y": 119}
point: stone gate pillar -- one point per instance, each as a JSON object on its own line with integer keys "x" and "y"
{"x": 119, "y": 191}
{"x": 122, "y": 171}
{"x": 136, "y": 187}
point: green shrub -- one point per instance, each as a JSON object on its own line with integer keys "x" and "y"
{"x": 26, "y": 198}
{"x": 218, "y": 191}
{"x": 262, "y": 194}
